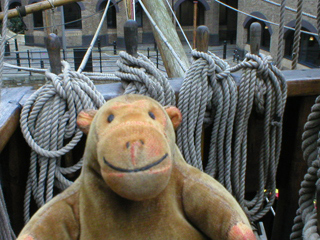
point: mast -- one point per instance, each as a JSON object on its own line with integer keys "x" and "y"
{"x": 160, "y": 15}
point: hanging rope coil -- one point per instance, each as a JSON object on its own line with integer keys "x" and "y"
{"x": 310, "y": 134}
{"x": 6, "y": 232}
{"x": 48, "y": 121}
{"x": 207, "y": 85}
{"x": 264, "y": 86}
{"x": 305, "y": 223}
{"x": 140, "y": 76}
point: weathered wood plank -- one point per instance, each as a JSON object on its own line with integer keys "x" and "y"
{"x": 160, "y": 15}
{"x": 9, "y": 112}
{"x": 305, "y": 82}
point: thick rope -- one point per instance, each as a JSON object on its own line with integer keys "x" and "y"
{"x": 305, "y": 223}
{"x": 6, "y": 232}
{"x": 310, "y": 134}
{"x": 264, "y": 86}
{"x": 48, "y": 121}
{"x": 281, "y": 34}
{"x": 140, "y": 76}
{"x": 208, "y": 86}
{"x": 297, "y": 36}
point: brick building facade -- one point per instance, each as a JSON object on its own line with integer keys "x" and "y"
{"x": 223, "y": 23}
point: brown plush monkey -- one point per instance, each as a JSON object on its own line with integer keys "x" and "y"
{"x": 135, "y": 184}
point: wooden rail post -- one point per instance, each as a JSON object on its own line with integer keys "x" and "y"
{"x": 202, "y": 39}
{"x": 195, "y": 16}
{"x": 53, "y": 46}
{"x": 255, "y": 38}
{"x": 131, "y": 37}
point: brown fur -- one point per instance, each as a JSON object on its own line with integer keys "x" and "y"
{"x": 136, "y": 185}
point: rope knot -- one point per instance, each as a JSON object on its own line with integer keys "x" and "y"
{"x": 140, "y": 75}
{"x": 206, "y": 60}
{"x": 277, "y": 121}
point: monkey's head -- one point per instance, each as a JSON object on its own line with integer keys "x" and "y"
{"x": 132, "y": 138}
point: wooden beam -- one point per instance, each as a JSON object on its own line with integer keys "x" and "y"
{"x": 43, "y": 5}
{"x": 160, "y": 15}
{"x": 10, "y": 112}
{"x": 130, "y": 9}
{"x": 195, "y": 16}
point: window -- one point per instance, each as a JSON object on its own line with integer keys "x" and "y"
{"x": 14, "y": 5}
{"x": 72, "y": 14}
{"x": 139, "y": 14}
{"x": 38, "y": 19}
{"x": 309, "y": 48}
{"x": 185, "y": 13}
{"x": 111, "y": 14}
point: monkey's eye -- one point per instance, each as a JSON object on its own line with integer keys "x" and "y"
{"x": 151, "y": 114}
{"x": 110, "y": 118}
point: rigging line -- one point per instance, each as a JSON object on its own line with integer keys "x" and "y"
{"x": 291, "y": 9}
{"x": 263, "y": 20}
{"x": 164, "y": 39}
{"x": 86, "y": 57}
{"x": 175, "y": 17}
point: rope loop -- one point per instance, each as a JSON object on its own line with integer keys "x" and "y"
{"x": 140, "y": 76}
{"x": 264, "y": 89}
{"x": 48, "y": 123}
{"x": 305, "y": 222}
{"x": 208, "y": 90}
{"x": 209, "y": 61}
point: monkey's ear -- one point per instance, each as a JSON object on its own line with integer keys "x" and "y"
{"x": 84, "y": 119}
{"x": 175, "y": 116}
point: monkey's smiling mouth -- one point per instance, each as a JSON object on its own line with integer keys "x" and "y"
{"x": 136, "y": 169}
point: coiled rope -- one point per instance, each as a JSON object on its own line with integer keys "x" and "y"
{"x": 48, "y": 121}
{"x": 140, "y": 76}
{"x": 305, "y": 223}
{"x": 207, "y": 85}
{"x": 264, "y": 86}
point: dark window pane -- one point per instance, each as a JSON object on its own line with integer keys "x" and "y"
{"x": 72, "y": 12}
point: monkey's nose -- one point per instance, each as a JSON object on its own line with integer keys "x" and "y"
{"x": 134, "y": 143}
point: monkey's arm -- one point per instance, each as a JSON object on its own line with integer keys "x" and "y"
{"x": 58, "y": 219}
{"x": 212, "y": 209}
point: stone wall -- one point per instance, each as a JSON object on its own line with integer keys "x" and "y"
{"x": 272, "y": 13}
